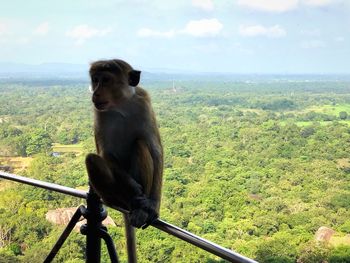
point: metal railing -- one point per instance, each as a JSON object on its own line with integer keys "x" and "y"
{"x": 173, "y": 230}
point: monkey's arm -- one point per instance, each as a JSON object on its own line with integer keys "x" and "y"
{"x": 156, "y": 189}
{"x": 147, "y": 169}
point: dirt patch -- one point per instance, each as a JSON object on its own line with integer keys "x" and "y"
{"x": 344, "y": 164}
{"x": 16, "y": 164}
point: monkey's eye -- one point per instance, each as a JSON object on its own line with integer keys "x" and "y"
{"x": 106, "y": 79}
{"x": 94, "y": 80}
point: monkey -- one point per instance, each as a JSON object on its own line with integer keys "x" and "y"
{"x": 127, "y": 170}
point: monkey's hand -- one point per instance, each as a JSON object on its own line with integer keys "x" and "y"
{"x": 143, "y": 212}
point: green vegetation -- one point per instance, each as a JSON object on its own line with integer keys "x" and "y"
{"x": 255, "y": 167}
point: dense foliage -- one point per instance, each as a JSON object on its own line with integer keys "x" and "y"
{"x": 255, "y": 167}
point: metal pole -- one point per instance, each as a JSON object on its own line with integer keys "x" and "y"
{"x": 202, "y": 243}
{"x": 160, "y": 224}
{"x": 45, "y": 185}
{"x": 110, "y": 246}
{"x": 94, "y": 217}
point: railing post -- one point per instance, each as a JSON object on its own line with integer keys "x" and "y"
{"x": 94, "y": 215}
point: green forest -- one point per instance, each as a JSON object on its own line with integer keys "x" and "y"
{"x": 255, "y": 166}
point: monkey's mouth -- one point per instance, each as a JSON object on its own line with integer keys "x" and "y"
{"x": 101, "y": 105}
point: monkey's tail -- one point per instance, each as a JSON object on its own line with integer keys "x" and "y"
{"x": 130, "y": 240}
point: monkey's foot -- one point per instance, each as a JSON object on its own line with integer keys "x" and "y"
{"x": 138, "y": 217}
{"x": 142, "y": 212}
{"x": 142, "y": 218}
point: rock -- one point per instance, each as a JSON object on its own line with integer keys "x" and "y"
{"x": 62, "y": 216}
{"x": 324, "y": 234}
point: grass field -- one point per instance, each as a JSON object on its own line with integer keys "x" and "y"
{"x": 326, "y": 109}
{"x": 307, "y": 123}
{"x": 331, "y": 109}
{"x": 68, "y": 148}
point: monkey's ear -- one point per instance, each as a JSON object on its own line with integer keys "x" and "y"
{"x": 134, "y": 77}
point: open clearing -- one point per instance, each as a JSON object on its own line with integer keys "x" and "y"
{"x": 17, "y": 163}
{"x": 308, "y": 123}
{"x": 330, "y": 109}
{"x": 67, "y": 148}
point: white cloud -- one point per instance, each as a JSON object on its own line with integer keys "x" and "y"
{"x": 206, "y": 5}
{"x": 147, "y": 32}
{"x": 42, "y": 29}
{"x": 196, "y": 28}
{"x": 318, "y": 2}
{"x": 269, "y": 5}
{"x": 81, "y": 33}
{"x": 311, "y": 44}
{"x": 275, "y": 31}
{"x": 280, "y": 6}
{"x": 203, "y": 28}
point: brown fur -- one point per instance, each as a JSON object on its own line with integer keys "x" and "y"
{"x": 127, "y": 172}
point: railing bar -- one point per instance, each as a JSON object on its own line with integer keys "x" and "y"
{"x": 160, "y": 224}
{"x": 45, "y": 185}
{"x": 201, "y": 242}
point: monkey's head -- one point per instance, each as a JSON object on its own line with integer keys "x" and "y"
{"x": 112, "y": 82}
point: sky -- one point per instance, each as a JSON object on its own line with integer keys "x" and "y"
{"x": 237, "y": 36}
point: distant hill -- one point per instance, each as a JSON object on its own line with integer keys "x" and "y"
{"x": 80, "y": 71}
{"x": 48, "y": 70}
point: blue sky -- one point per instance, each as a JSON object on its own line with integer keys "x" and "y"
{"x": 238, "y": 36}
